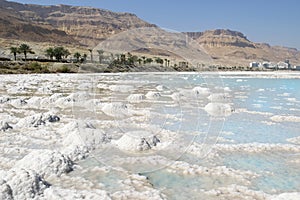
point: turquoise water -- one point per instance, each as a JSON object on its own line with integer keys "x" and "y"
{"x": 255, "y": 101}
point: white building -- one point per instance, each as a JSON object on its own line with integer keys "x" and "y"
{"x": 269, "y": 65}
{"x": 296, "y": 67}
{"x": 283, "y": 65}
{"x": 254, "y": 64}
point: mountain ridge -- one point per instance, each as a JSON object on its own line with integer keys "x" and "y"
{"x": 88, "y": 26}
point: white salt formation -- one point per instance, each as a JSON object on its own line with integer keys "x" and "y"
{"x": 218, "y": 109}
{"x": 153, "y": 95}
{"x": 136, "y": 98}
{"x": 46, "y": 163}
{"x": 137, "y": 141}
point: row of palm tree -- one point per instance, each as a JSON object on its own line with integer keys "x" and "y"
{"x": 60, "y": 53}
{"x": 129, "y": 59}
{"x": 23, "y": 48}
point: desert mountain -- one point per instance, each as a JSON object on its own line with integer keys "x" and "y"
{"x": 86, "y": 27}
{"x": 14, "y": 26}
{"x": 233, "y": 48}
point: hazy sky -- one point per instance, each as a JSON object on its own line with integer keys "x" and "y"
{"x": 273, "y": 21}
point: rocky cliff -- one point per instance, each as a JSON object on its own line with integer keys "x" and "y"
{"x": 86, "y": 25}
{"x": 229, "y": 47}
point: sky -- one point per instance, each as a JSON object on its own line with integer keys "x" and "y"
{"x": 276, "y": 22}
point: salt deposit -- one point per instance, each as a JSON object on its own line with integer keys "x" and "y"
{"x": 282, "y": 118}
{"x": 52, "y": 145}
{"x": 137, "y": 141}
{"x": 46, "y": 163}
{"x": 153, "y": 95}
{"x": 25, "y": 184}
{"x": 221, "y": 97}
{"x": 136, "y": 98}
{"x": 201, "y": 91}
{"x": 218, "y": 109}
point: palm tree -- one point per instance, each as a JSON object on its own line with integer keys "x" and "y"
{"x": 77, "y": 55}
{"x": 91, "y": 52}
{"x": 149, "y": 60}
{"x": 140, "y": 61}
{"x": 144, "y": 59}
{"x": 166, "y": 62}
{"x": 159, "y": 60}
{"x": 66, "y": 53}
{"x": 14, "y": 50}
{"x": 84, "y": 57}
{"x": 100, "y": 53}
{"x": 50, "y": 53}
{"x": 59, "y": 52}
{"x": 24, "y": 48}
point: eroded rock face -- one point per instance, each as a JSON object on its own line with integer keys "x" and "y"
{"x": 69, "y": 24}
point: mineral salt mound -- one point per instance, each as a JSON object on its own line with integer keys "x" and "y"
{"x": 281, "y": 118}
{"x": 5, "y": 191}
{"x": 121, "y": 88}
{"x": 55, "y": 193}
{"x": 218, "y": 109}
{"x": 286, "y": 196}
{"x": 116, "y": 109}
{"x": 46, "y": 162}
{"x": 136, "y": 98}
{"x": 153, "y": 95}
{"x": 201, "y": 91}
{"x": 137, "y": 141}
{"x": 221, "y": 97}
{"x": 24, "y": 184}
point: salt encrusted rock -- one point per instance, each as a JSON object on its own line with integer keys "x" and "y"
{"x": 153, "y": 95}
{"x": 46, "y": 162}
{"x": 37, "y": 120}
{"x": 55, "y": 193}
{"x": 218, "y": 109}
{"x": 5, "y": 191}
{"x": 144, "y": 145}
{"x": 285, "y": 196}
{"x": 201, "y": 91}
{"x": 116, "y": 109}
{"x": 5, "y": 126}
{"x": 25, "y": 184}
{"x": 137, "y": 141}
{"x": 136, "y": 98}
{"x": 155, "y": 140}
{"x": 161, "y": 88}
{"x": 4, "y": 99}
{"x": 53, "y": 118}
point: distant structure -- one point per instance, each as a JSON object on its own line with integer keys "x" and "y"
{"x": 274, "y": 66}
{"x": 283, "y": 65}
{"x": 296, "y": 67}
{"x": 254, "y": 64}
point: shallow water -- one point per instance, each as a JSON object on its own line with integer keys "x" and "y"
{"x": 200, "y": 151}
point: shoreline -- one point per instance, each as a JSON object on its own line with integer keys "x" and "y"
{"x": 15, "y": 67}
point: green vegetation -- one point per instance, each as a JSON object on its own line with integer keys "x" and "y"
{"x": 14, "y": 51}
{"x": 50, "y": 53}
{"x": 25, "y": 49}
{"x": 64, "y": 69}
{"x": 35, "y": 67}
{"x": 77, "y": 55}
